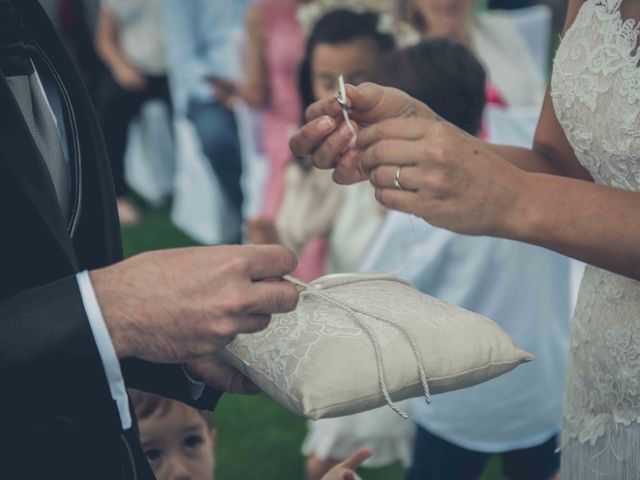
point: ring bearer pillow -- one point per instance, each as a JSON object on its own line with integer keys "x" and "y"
{"x": 358, "y": 342}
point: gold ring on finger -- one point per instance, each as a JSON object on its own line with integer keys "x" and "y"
{"x": 396, "y": 181}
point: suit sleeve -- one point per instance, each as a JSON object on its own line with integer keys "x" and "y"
{"x": 49, "y": 360}
{"x": 166, "y": 380}
{"x": 48, "y": 357}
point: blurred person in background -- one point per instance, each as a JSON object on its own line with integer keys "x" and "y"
{"x": 273, "y": 51}
{"x": 518, "y": 416}
{"x": 200, "y": 56}
{"x": 75, "y": 21}
{"x": 316, "y": 212}
{"x": 130, "y": 39}
{"x": 513, "y": 77}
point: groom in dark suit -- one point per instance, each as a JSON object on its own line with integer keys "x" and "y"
{"x": 78, "y": 325}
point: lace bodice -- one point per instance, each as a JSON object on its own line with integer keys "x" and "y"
{"x": 596, "y": 96}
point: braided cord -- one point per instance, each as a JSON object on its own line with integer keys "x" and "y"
{"x": 352, "y": 311}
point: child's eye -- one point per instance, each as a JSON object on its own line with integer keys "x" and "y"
{"x": 193, "y": 441}
{"x": 153, "y": 454}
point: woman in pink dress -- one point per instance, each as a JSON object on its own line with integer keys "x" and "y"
{"x": 282, "y": 51}
{"x": 273, "y": 54}
{"x": 274, "y": 50}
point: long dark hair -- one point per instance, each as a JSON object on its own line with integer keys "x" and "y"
{"x": 336, "y": 27}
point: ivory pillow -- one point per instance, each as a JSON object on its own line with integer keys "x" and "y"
{"x": 354, "y": 337}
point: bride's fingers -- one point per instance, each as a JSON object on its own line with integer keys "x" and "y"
{"x": 390, "y": 152}
{"x": 400, "y": 178}
{"x": 349, "y": 169}
{"x": 327, "y": 106}
{"x": 395, "y": 128}
{"x": 331, "y": 150}
{"x": 311, "y": 135}
{"x": 361, "y": 100}
{"x": 395, "y": 199}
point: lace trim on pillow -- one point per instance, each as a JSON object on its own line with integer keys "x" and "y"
{"x": 353, "y": 311}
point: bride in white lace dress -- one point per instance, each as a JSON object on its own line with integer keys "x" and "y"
{"x": 577, "y": 191}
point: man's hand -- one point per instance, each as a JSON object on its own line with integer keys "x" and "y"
{"x": 262, "y": 231}
{"x": 347, "y": 469}
{"x": 178, "y": 306}
{"x": 221, "y": 376}
{"x": 330, "y": 143}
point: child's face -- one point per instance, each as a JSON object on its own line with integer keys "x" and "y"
{"x": 356, "y": 60}
{"x": 179, "y": 445}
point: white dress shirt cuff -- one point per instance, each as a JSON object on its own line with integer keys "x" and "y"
{"x": 196, "y": 387}
{"x": 106, "y": 350}
{"x": 196, "y": 391}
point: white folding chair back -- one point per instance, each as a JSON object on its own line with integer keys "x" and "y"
{"x": 515, "y": 126}
{"x": 199, "y": 208}
{"x": 534, "y": 23}
{"x": 149, "y": 157}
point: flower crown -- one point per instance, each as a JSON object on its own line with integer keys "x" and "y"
{"x": 310, "y": 13}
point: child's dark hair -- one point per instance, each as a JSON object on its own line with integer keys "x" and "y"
{"x": 336, "y": 27}
{"x": 442, "y": 74}
{"x": 147, "y": 405}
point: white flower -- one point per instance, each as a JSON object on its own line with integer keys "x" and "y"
{"x": 310, "y": 13}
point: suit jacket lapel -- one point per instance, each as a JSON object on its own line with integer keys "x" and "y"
{"x": 96, "y": 242}
{"x": 24, "y": 160}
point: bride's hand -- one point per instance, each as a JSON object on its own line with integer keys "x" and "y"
{"x": 447, "y": 177}
{"x": 329, "y": 141}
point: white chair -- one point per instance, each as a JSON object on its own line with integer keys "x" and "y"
{"x": 149, "y": 157}
{"x": 535, "y": 23}
{"x": 254, "y": 162}
{"x": 513, "y": 126}
{"x": 200, "y": 209}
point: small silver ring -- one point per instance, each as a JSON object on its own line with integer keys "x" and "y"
{"x": 396, "y": 181}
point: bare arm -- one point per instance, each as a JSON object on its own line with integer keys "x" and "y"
{"x": 595, "y": 224}
{"x": 456, "y": 182}
{"x": 107, "y": 42}
{"x": 110, "y": 51}
{"x": 255, "y": 90}
{"x": 541, "y": 196}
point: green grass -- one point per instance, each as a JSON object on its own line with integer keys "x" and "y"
{"x": 257, "y": 438}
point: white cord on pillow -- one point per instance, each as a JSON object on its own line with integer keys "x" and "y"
{"x": 315, "y": 291}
